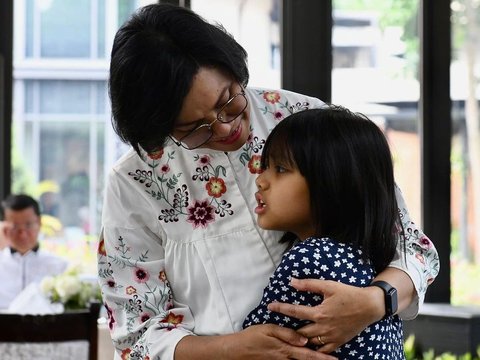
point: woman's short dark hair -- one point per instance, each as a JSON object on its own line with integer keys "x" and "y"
{"x": 348, "y": 167}
{"x": 18, "y": 203}
{"x": 155, "y": 56}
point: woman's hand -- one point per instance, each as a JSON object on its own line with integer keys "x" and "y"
{"x": 273, "y": 342}
{"x": 256, "y": 342}
{"x": 345, "y": 311}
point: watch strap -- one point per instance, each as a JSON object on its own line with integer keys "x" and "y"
{"x": 390, "y": 296}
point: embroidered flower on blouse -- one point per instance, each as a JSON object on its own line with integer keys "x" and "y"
{"x": 130, "y": 290}
{"x": 216, "y": 187}
{"x": 278, "y": 115}
{"x": 271, "y": 96}
{"x": 172, "y": 320}
{"x": 101, "y": 248}
{"x": 141, "y": 275}
{"x": 425, "y": 243}
{"x": 111, "y": 319}
{"x": 420, "y": 258}
{"x": 204, "y": 160}
{"x": 155, "y": 155}
{"x": 201, "y": 213}
{"x": 165, "y": 168}
{"x": 126, "y": 353}
{"x": 144, "y": 317}
{"x": 255, "y": 164}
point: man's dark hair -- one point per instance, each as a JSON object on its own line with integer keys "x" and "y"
{"x": 19, "y": 202}
{"x": 154, "y": 58}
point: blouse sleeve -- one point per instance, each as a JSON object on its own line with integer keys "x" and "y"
{"x": 417, "y": 256}
{"x": 143, "y": 317}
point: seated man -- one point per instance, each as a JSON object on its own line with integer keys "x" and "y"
{"x": 21, "y": 261}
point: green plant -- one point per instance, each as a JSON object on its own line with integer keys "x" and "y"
{"x": 412, "y": 353}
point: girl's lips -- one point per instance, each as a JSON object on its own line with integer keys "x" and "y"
{"x": 261, "y": 205}
{"x": 233, "y": 137}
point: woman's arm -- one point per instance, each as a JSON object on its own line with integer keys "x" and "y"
{"x": 346, "y": 310}
{"x": 257, "y": 342}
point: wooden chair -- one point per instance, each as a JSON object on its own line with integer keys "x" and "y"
{"x": 68, "y": 326}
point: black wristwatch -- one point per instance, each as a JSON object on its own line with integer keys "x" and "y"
{"x": 391, "y": 300}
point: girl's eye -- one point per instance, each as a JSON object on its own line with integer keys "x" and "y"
{"x": 280, "y": 169}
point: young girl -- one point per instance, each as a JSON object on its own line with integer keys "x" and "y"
{"x": 328, "y": 182}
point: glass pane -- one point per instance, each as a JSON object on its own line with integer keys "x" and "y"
{"x": 29, "y": 28}
{"x": 465, "y": 173}
{"x": 101, "y": 29}
{"x": 62, "y": 96}
{"x": 255, "y": 25}
{"x": 375, "y": 60}
{"x": 62, "y": 135}
{"x": 65, "y": 28}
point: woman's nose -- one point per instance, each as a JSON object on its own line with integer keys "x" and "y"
{"x": 222, "y": 129}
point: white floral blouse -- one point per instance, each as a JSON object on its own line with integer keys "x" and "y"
{"x": 181, "y": 252}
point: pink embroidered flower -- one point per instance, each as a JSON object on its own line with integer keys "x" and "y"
{"x": 165, "y": 168}
{"x": 204, "y": 160}
{"x": 144, "y": 317}
{"x": 172, "y": 320}
{"x": 255, "y": 164}
{"x": 271, "y": 96}
{"x": 141, "y": 275}
{"x": 162, "y": 276}
{"x": 425, "y": 243}
{"x": 200, "y": 214}
{"x": 130, "y": 290}
{"x": 216, "y": 187}
{"x": 111, "y": 319}
{"x": 420, "y": 258}
{"x": 278, "y": 115}
{"x": 101, "y": 248}
{"x": 126, "y": 354}
{"x": 155, "y": 155}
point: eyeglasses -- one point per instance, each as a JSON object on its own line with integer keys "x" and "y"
{"x": 230, "y": 111}
{"x": 29, "y": 226}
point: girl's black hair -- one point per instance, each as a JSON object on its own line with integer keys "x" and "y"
{"x": 348, "y": 167}
{"x": 154, "y": 58}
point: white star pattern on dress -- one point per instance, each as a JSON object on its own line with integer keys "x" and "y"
{"x": 326, "y": 259}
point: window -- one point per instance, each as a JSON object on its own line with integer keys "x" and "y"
{"x": 63, "y": 141}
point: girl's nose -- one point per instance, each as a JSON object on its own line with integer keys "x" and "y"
{"x": 260, "y": 184}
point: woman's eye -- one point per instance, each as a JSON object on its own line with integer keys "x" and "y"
{"x": 188, "y": 128}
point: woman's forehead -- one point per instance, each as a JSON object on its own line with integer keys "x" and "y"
{"x": 208, "y": 88}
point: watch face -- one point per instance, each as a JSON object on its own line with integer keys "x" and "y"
{"x": 391, "y": 301}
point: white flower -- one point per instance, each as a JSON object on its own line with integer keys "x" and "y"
{"x": 47, "y": 285}
{"x": 68, "y": 286}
